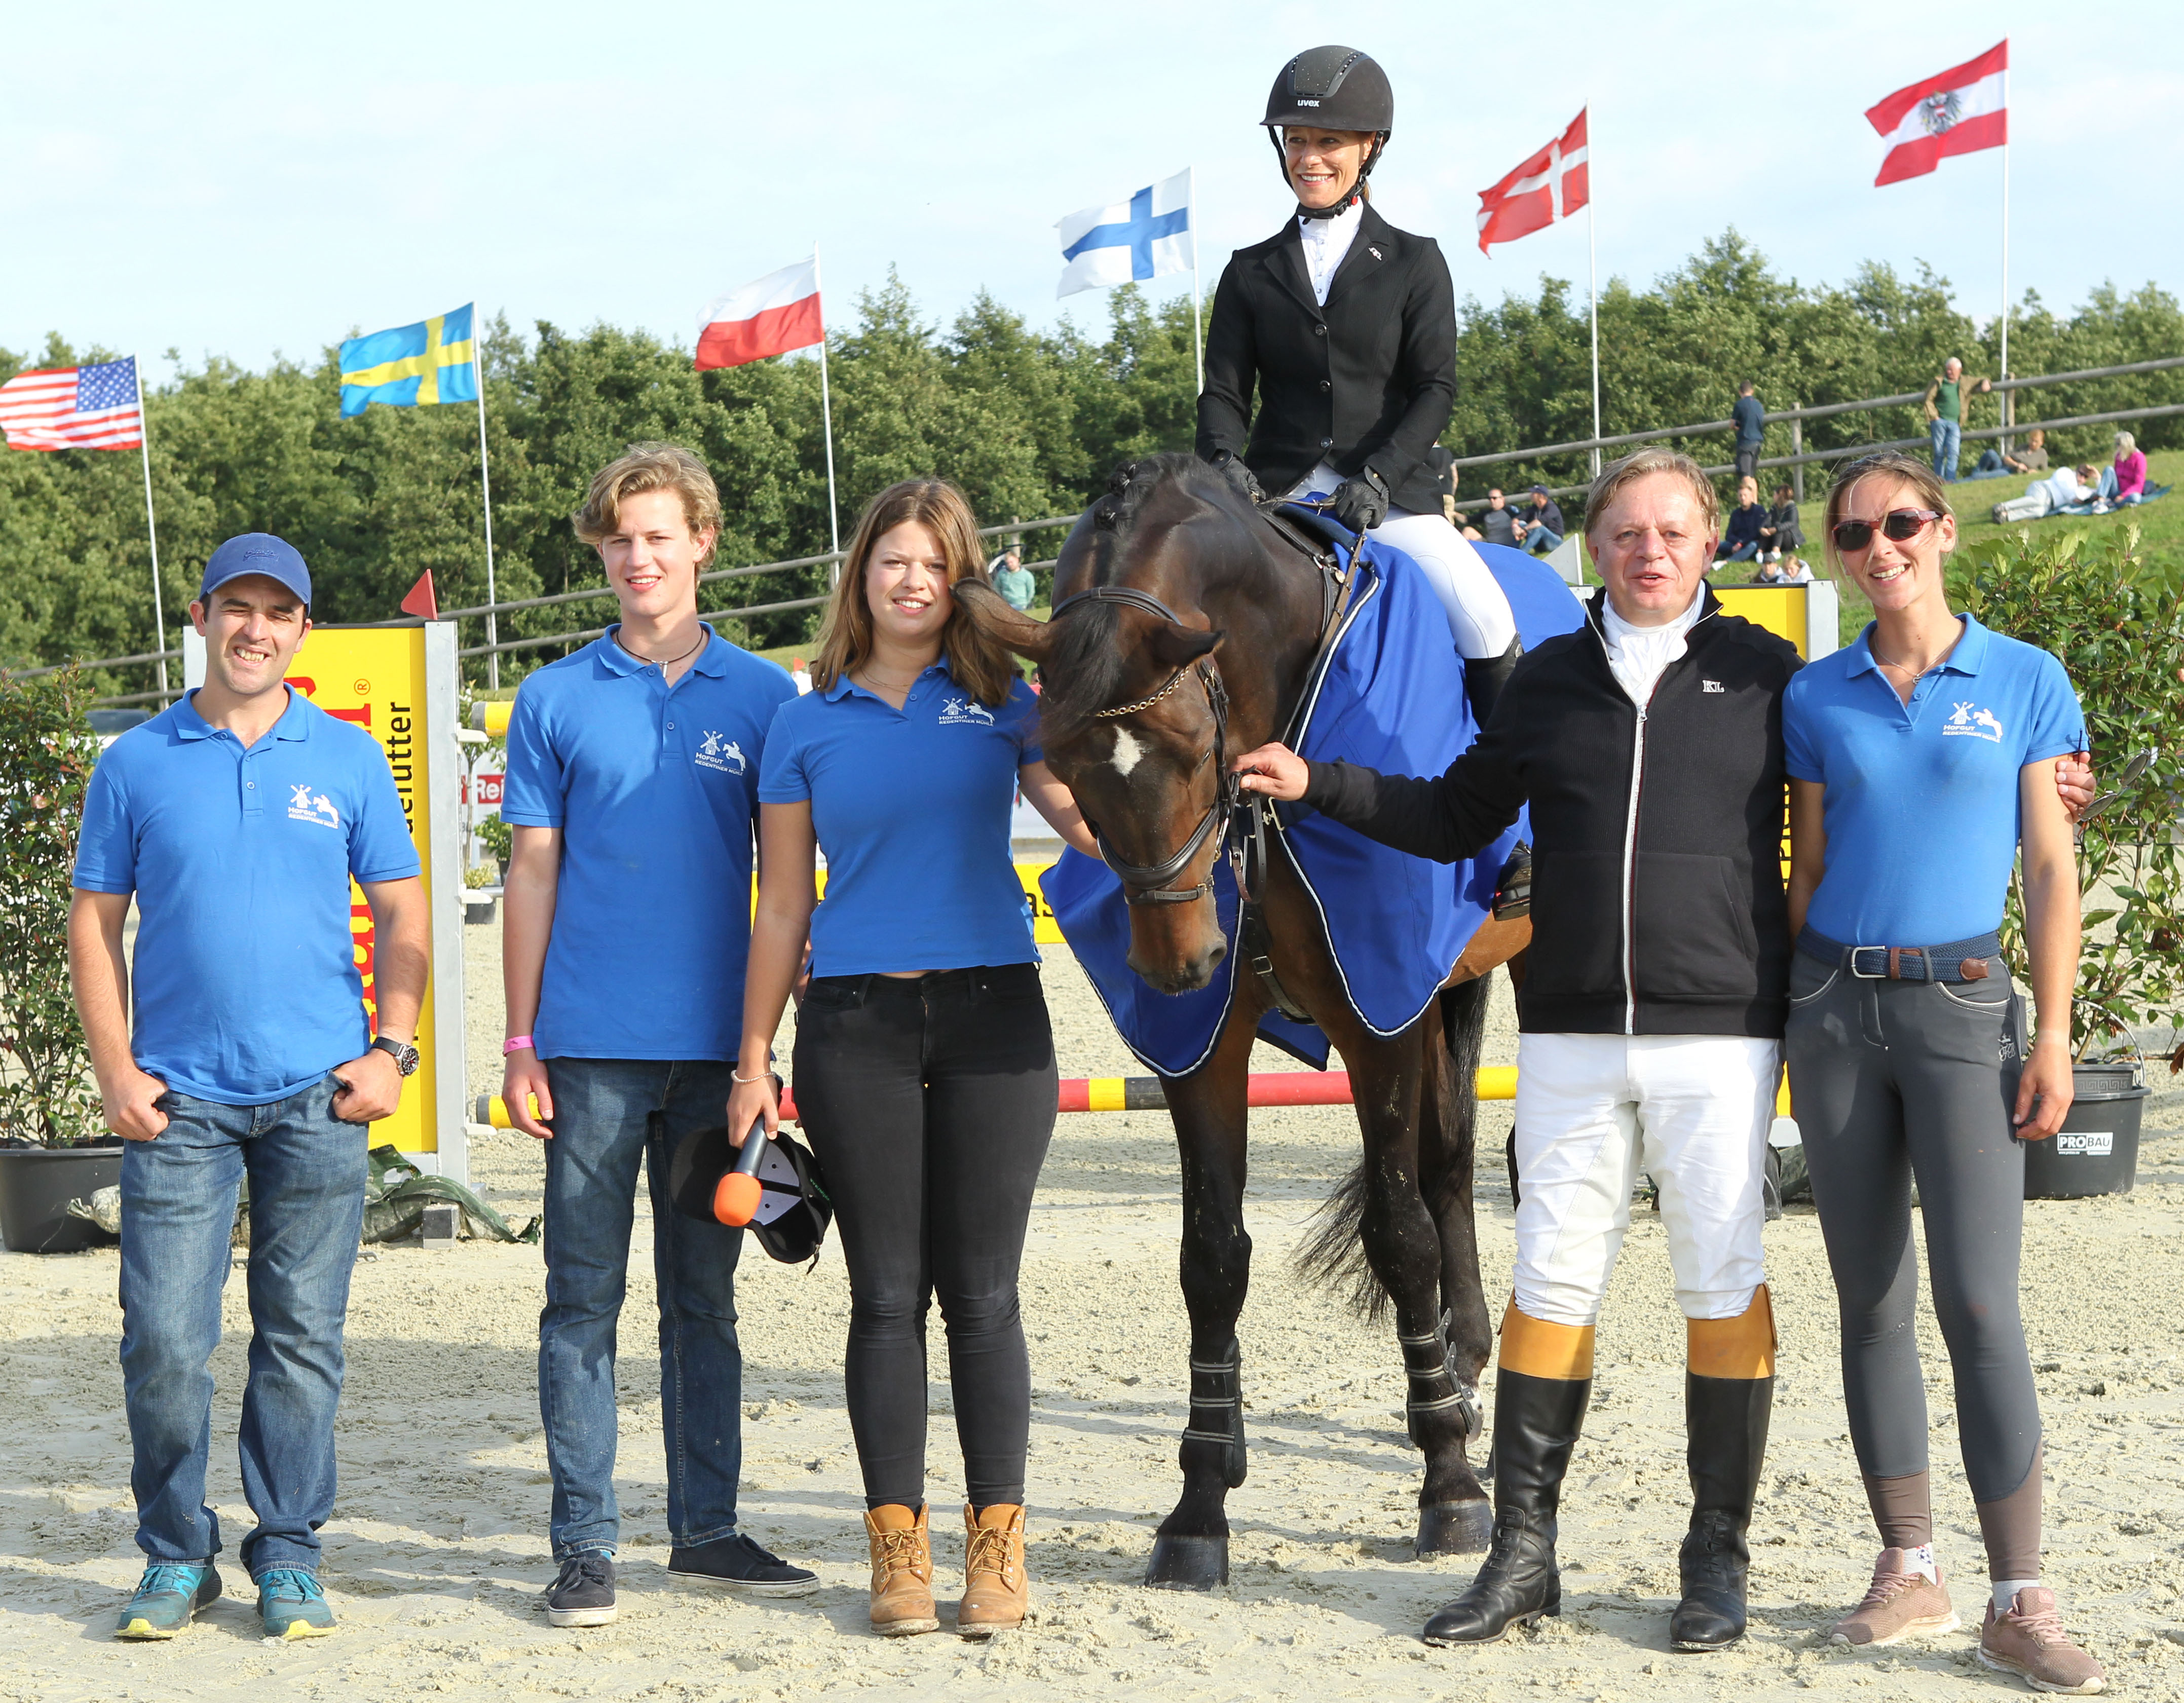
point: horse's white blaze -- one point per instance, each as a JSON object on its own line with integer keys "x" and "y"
{"x": 1128, "y": 752}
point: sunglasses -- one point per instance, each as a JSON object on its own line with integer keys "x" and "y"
{"x": 1899, "y": 525}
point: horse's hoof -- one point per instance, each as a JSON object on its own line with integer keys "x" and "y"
{"x": 1188, "y": 1562}
{"x": 1454, "y": 1528}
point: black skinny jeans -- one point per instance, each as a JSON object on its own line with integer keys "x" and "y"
{"x": 930, "y": 1103}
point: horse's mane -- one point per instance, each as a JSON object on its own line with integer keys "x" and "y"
{"x": 1084, "y": 672}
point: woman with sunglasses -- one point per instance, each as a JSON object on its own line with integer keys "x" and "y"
{"x": 1921, "y": 757}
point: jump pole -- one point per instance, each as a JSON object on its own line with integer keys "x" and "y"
{"x": 1147, "y": 1093}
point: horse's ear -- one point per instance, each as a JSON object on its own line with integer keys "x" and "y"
{"x": 982, "y": 605}
{"x": 1174, "y": 646}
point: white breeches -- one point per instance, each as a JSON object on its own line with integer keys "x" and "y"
{"x": 1479, "y": 618}
{"x": 1593, "y": 1111}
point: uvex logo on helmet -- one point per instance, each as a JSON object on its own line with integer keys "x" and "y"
{"x": 1338, "y": 88}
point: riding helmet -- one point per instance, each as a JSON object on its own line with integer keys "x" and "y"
{"x": 1336, "y": 88}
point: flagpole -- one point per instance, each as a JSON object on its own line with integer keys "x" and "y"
{"x": 485, "y": 484}
{"x": 827, "y": 421}
{"x": 151, "y": 522}
{"x": 2008, "y": 397}
{"x": 1197, "y": 332}
{"x": 1592, "y": 282}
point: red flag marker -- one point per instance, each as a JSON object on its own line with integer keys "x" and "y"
{"x": 422, "y": 601}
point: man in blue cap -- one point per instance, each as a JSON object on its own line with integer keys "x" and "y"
{"x": 236, "y": 819}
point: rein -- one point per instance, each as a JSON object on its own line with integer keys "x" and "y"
{"x": 1241, "y": 817}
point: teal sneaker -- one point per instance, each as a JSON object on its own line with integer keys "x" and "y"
{"x": 291, "y": 1604}
{"x": 167, "y": 1596}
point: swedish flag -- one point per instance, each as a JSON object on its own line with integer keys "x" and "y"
{"x": 410, "y": 365}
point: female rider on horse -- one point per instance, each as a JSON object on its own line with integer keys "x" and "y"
{"x": 1347, "y": 328}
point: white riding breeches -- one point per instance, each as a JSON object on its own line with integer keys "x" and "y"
{"x": 1479, "y": 617}
{"x": 1593, "y": 1111}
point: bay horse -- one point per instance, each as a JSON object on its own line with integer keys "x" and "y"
{"x": 1185, "y": 621}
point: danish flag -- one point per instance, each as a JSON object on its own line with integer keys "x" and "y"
{"x": 1963, "y": 110}
{"x": 1526, "y": 200}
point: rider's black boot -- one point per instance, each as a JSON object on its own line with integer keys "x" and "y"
{"x": 1725, "y": 1420}
{"x": 1536, "y": 1426}
{"x": 1483, "y": 677}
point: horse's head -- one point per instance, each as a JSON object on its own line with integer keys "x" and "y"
{"x": 1135, "y": 715}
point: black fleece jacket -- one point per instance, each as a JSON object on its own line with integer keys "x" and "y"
{"x": 1658, "y": 901}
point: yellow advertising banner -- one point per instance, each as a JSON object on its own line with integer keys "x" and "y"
{"x": 375, "y": 678}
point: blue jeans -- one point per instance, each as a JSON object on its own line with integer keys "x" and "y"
{"x": 1947, "y": 436}
{"x": 608, "y": 1115}
{"x": 306, "y": 1170}
{"x": 1542, "y": 541}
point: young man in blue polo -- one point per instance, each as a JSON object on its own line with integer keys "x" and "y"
{"x": 236, "y": 819}
{"x": 633, "y": 781}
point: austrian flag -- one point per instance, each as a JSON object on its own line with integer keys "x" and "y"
{"x": 778, "y": 313}
{"x": 1526, "y": 200}
{"x": 1963, "y": 110}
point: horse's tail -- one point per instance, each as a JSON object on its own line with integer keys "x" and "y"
{"x": 1333, "y": 1253}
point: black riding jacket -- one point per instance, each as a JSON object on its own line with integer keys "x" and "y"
{"x": 1369, "y": 379}
{"x": 1657, "y": 900}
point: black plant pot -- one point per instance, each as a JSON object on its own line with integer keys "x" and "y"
{"x": 36, "y": 1184}
{"x": 2096, "y": 1152}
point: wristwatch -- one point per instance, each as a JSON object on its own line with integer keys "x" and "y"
{"x": 405, "y": 1056}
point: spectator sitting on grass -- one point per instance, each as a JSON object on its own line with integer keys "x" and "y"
{"x": 1539, "y": 529}
{"x": 2129, "y": 470}
{"x": 2032, "y": 459}
{"x": 2062, "y": 490}
{"x": 1497, "y": 521}
{"x": 1779, "y": 532}
{"x": 1740, "y": 537}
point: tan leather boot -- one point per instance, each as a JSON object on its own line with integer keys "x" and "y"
{"x": 902, "y": 1570}
{"x": 995, "y": 1590}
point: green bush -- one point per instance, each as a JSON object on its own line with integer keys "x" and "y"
{"x": 46, "y": 752}
{"x": 2119, "y": 630}
{"x": 496, "y": 837}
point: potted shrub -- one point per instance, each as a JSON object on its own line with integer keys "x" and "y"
{"x": 2118, "y": 627}
{"x": 53, "y": 1146}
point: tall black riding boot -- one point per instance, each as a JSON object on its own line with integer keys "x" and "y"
{"x": 1483, "y": 677}
{"x": 1726, "y": 1429}
{"x": 1536, "y": 1426}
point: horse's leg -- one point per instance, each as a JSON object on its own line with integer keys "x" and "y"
{"x": 1191, "y": 1550}
{"x": 1402, "y": 1244}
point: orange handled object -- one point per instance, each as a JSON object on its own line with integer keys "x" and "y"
{"x": 736, "y": 1197}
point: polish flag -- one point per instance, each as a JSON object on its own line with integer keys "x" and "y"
{"x": 778, "y": 314}
{"x": 1525, "y": 201}
{"x": 1964, "y": 109}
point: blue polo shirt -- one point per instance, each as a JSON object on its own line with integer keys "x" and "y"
{"x": 655, "y": 789}
{"x": 1922, "y": 810}
{"x": 911, "y": 807}
{"x": 245, "y": 982}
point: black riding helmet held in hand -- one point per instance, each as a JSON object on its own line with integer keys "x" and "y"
{"x": 1332, "y": 88}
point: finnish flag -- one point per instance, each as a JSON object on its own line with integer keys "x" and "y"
{"x": 1147, "y": 236}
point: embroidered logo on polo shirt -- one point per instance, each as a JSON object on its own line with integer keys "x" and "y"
{"x": 306, "y": 806}
{"x": 1977, "y": 724}
{"x": 965, "y": 712}
{"x": 723, "y": 754}
{"x": 1712, "y": 686}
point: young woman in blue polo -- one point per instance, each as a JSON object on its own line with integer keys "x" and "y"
{"x": 1922, "y": 760}
{"x": 924, "y": 1064}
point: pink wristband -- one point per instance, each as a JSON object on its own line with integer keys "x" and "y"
{"x": 514, "y": 1044}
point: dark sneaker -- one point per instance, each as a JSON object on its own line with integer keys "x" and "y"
{"x": 290, "y": 1604}
{"x": 739, "y": 1564}
{"x": 584, "y": 1594}
{"x": 2030, "y": 1642}
{"x": 168, "y": 1595}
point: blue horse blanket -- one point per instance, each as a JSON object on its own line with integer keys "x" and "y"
{"x": 1389, "y": 694}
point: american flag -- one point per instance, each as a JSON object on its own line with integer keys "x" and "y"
{"x": 73, "y": 408}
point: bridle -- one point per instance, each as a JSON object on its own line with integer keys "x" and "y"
{"x": 1148, "y": 882}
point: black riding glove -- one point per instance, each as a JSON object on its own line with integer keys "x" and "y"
{"x": 1232, "y": 469}
{"x": 1361, "y": 501}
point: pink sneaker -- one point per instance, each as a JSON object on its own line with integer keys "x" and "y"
{"x": 2030, "y": 1642}
{"x": 1900, "y": 1603}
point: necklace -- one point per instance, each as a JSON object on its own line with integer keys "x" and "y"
{"x": 873, "y": 675}
{"x": 662, "y": 661}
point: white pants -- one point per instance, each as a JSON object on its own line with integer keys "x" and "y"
{"x": 1479, "y": 618}
{"x": 1691, "y": 1111}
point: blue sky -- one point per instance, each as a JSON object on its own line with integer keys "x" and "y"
{"x": 236, "y": 180}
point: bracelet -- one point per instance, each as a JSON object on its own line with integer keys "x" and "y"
{"x": 514, "y": 1044}
{"x": 747, "y": 1081}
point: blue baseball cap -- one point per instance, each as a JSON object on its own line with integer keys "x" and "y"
{"x": 257, "y": 553}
